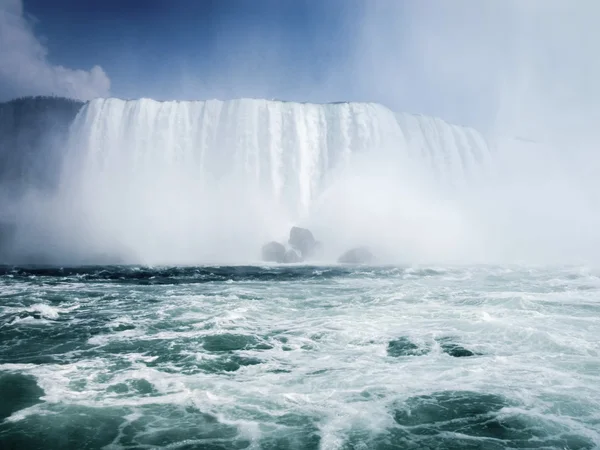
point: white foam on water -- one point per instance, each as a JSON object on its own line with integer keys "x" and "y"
{"x": 48, "y": 311}
{"x": 329, "y": 360}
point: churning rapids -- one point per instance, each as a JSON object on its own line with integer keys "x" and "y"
{"x": 135, "y": 311}
{"x": 300, "y": 358}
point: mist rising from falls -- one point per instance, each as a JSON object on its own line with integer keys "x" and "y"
{"x": 189, "y": 182}
{"x": 209, "y": 182}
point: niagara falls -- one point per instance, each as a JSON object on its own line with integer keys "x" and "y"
{"x": 337, "y": 225}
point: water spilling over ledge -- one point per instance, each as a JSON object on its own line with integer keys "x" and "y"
{"x": 193, "y": 182}
{"x": 160, "y": 182}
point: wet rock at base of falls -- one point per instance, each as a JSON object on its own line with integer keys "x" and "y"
{"x": 292, "y": 257}
{"x": 303, "y": 241}
{"x": 359, "y": 255}
{"x": 274, "y": 252}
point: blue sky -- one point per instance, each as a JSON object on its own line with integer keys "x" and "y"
{"x": 510, "y": 64}
{"x": 192, "y": 49}
{"x": 302, "y": 50}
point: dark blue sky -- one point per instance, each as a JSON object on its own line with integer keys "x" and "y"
{"x": 490, "y": 64}
{"x": 199, "y": 48}
{"x": 386, "y": 51}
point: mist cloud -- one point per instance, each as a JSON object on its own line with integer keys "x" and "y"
{"x": 517, "y": 68}
{"x": 26, "y": 70}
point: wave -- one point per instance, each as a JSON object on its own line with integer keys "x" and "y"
{"x": 141, "y": 275}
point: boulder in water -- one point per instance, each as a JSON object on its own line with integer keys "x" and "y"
{"x": 274, "y": 252}
{"x": 303, "y": 241}
{"x": 292, "y": 257}
{"x": 359, "y": 255}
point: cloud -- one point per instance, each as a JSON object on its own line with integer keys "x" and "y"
{"x": 26, "y": 70}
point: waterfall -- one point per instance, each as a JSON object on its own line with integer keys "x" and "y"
{"x": 286, "y": 150}
{"x": 198, "y": 181}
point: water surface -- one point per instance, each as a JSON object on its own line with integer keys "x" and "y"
{"x": 300, "y": 357}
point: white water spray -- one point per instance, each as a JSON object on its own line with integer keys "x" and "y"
{"x": 192, "y": 182}
{"x": 209, "y": 182}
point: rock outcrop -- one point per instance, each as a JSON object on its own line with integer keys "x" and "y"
{"x": 359, "y": 255}
{"x": 303, "y": 241}
{"x": 292, "y": 257}
{"x": 274, "y": 252}
{"x": 303, "y": 246}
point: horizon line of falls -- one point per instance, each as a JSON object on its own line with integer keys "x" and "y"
{"x": 210, "y": 181}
